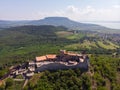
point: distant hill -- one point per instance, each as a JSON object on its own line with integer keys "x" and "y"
{"x": 7, "y": 24}
{"x": 63, "y": 21}
{"x": 25, "y": 34}
{"x": 55, "y": 21}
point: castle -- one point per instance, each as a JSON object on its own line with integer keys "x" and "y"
{"x": 65, "y": 60}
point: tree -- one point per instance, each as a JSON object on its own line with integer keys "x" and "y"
{"x": 9, "y": 83}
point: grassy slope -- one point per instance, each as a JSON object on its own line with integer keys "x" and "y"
{"x": 86, "y": 44}
{"x": 90, "y": 45}
{"x": 69, "y": 35}
{"x": 108, "y": 45}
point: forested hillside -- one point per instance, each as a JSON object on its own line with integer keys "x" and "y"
{"x": 20, "y": 44}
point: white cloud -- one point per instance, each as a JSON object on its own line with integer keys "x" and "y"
{"x": 87, "y": 13}
{"x": 72, "y": 9}
{"x": 116, "y": 6}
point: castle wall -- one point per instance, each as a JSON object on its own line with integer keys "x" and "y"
{"x": 58, "y": 66}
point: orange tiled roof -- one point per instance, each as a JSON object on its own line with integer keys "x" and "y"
{"x": 51, "y": 56}
{"x": 42, "y": 58}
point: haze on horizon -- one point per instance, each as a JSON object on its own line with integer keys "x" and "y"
{"x": 79, "y": 10}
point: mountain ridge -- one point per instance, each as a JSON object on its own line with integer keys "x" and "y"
{"x": 55, "y": 21}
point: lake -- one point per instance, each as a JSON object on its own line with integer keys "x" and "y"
{"x": 114, "y": 25}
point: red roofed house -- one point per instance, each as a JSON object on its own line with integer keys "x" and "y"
{"x": 41, "y": 58}
{"x": 46, "y": 57}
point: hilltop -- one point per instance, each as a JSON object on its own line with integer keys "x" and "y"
{"x": 66, "y": 22}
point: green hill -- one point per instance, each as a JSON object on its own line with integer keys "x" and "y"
{"x": 55, "y": 21}
{"x": 22, "y": 43}
{"x": 18, "y": 44}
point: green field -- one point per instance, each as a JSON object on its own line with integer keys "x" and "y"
{"x": 90, "y": 45}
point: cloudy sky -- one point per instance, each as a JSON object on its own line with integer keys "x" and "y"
{"x": 80, "y": 10}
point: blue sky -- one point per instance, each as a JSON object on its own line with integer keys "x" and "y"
{"x": 80, "y": 10}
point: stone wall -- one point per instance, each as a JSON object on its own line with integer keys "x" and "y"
{"x": 60, "y": 66}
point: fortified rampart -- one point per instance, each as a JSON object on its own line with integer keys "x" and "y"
{"x": 64, "y": 60}
{"x": 60, "y": 66}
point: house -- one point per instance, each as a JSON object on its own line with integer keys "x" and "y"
{"x": 46, "y": 57}
{"x": 41, "y": 58}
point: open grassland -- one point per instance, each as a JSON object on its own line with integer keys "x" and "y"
{"x": 107, "y": 45}
{"x": 63, "y": 34}
{"x": 70, "y": 35}
{"x": 91, "y": 44}
{"x": 75, "y": 36}
{"x": 85, "y": 44}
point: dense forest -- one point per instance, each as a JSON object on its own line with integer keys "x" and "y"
{"x": 24, "y": 43}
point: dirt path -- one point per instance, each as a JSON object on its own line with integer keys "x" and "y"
{"x": 25, "y": 83}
